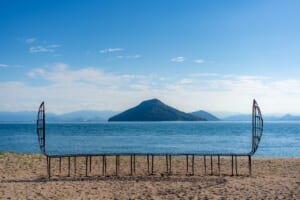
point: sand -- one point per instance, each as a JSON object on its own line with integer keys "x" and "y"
{"x": 23, "y": 176}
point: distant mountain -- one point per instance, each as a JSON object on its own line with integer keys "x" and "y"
{"x": 205, "y": 115}
{"x": 154, "y": 110}
{"x": 286, "y": 117}
{"x": 240, "y": 117}
{"x": 78, "y": 116}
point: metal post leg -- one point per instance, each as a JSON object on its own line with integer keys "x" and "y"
{"x": 236, "y": 169}
{"x": 187, "y": 164}
{"x": 86, "y": 165}
{"x": 148, "y": 164}
{"x": 211, "y": 166}
{"x": 49, "y": 167}
{"x": 130, "y": 165}
{"x": 60, "y": 165}
{"x": 193, "y": 161}
{"x": 69, "y": 165}
{"x": 219, "y": 167}
{"x": 75, "y": 165}
{"x": 152, "y": 164}
{"x": 204, "y": 164}
{"x": 170, "y": 160}
{"x": 250, "y": 170}
{"x": 90, "y": 163}
{"x": 167, "y": 167}
{"x": 231, "y": 165}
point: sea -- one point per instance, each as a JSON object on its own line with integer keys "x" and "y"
{"x": 280, "y": 139}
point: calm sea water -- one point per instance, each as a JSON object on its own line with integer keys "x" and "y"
{"x": 280, "y": 139}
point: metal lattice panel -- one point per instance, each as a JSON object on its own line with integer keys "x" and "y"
{"x": 257, "y": 126}
{"x": 41, "y": 127}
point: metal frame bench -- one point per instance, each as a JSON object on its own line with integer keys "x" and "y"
{"x": 257, "y": 130}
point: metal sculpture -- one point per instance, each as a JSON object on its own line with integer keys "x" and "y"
{"x": 257, "y": 131}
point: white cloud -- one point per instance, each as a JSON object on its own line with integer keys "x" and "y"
{"x": 30, "y": 40}
{"x": 135, "y": 56}
{"x": 204, "y": 74}
{"x": 199, "y": 61}
{"x": 186, "y": 81}
{"x": 178, "y": 59}
{"x": 3, "y": 65}
{"x": 69, "y": 89}
{"x": 111, "y": 50}
{"x": 49, "y": 48}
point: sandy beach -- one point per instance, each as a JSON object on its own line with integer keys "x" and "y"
{"x": 23, "y": 176}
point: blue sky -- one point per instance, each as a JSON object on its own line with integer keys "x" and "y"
{"x": 110, "y": 55}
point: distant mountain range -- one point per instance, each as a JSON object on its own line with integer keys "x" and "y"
{"x": 205, "y": 115}
{"x": 154, "y": 110}
{"x": 78, "y": 116}
{"x": 150, "y": 110}
{"x": 286, "y": 117}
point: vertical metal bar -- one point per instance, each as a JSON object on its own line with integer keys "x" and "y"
{"x": 116, "y": 165}
{"x": 211, "y": 165}
{"x": 170, "y": 157}
{"x": 86, "y": 165}
{"x": 152, "y": 164}
{"x": 167, "y": 164}
{"x": 250, "y": 170}
{"x": 59, "y": 165}
{"x": 219, "y": 165}
{"x": 131, "y": 165}
{"x": 103, "y": 165}
{"x": 193, "y": 161}
{"x": 49, "y": 167}
{"x": 69, "y": 165}
{"x": 148, "y": 164}
{"x": 187, "y": 163}
{"x": 90, "y": 163}
{"x": 204, "y": 164}
{"x": 75, "y": 165}
{"x": 232, "y": 165}
{"x": 236, "y": 170}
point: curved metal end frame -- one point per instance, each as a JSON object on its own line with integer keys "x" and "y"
{"x": 41, "y": 127}
{"x": 257, "y": 126}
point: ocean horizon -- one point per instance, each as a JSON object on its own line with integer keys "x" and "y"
{"x": 280, "y": 138}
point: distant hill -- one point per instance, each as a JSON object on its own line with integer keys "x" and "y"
{"x": 241, "y": 117}
{"x": 205, "y": 115}
{"x": 78, "y": 116}
{"x": 154, "y": 110}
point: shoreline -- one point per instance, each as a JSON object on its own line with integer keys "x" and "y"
{"x": 24, "y": 176}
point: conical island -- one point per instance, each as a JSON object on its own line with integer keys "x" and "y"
{"x": 154, "y": 110}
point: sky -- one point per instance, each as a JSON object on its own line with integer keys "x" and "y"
{"x": 111, "y": 55}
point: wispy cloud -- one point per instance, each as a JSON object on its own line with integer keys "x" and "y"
{"x": 135, "y": 56}
{"x": 49, "y": 48}
{"x": 186, "y": 81}
{"x": 204, "y": 74}
{"x": 178, "y": 59}
{"x": 199, "y": 61}
{"x": 111, "y": 50}
{"x": 129, "y": 57}
{"x": 3, "y": 65}
{"x": 30, "y": 40}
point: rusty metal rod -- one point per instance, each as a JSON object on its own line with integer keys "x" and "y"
{"x": 211, "y": 166}
{"x": 69, "y": 165}
{"x": 148, "y": 164}
{"x": 219, "y": 165}
{"x": 90, "y": 163}
{"x": 236, "y": 169}
{"x": 193, "y": 161}
{"x": 232, "y": 165}
{"x": 152, "y": 164}
{"x": 204, "y": 164}
{"x": 75, "y": 165}
{"x": 60, "y": 165}
{"x": 187, "y": 163}
{"x": 86, "y": 165}
{"x": 250, "y": 170}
